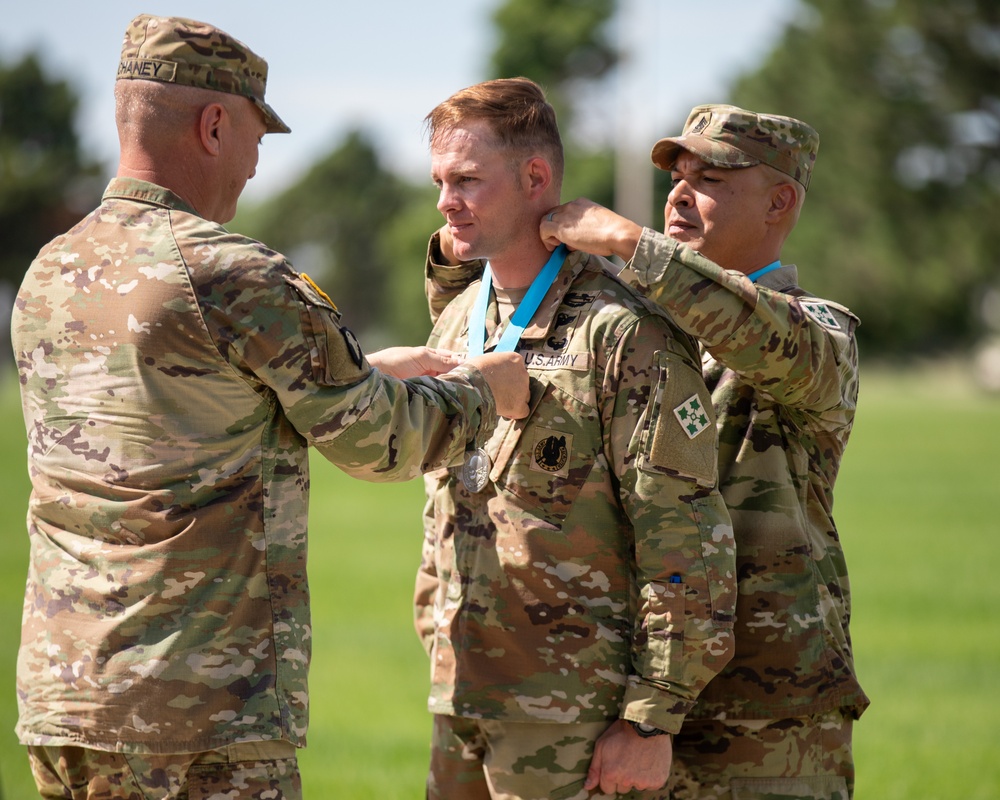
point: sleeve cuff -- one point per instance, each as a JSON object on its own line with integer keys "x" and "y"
{"x": 488, "y": 408}
{"x": 652, "y": 256}
{"x": 654, "y": 706}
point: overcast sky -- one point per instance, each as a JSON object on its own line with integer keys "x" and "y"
{"x": 383, "y": 64}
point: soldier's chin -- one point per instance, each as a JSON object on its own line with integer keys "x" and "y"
{"x": 464, "y": 251}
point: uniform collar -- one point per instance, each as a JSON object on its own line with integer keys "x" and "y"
{"x": 544, "y": 317}
{"x": 146, "y": 192}
{"x": 781, "y": 279}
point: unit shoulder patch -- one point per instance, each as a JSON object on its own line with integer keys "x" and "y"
{"x": 692, "y": 417}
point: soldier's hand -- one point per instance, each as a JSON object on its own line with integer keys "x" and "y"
{"x": 413, "y": 362}
{"x": 508, "y": 379}
{"x": 582, "y": 224}
{"x": 624, "y": 761}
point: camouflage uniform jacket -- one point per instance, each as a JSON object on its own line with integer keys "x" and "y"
{"x": 593, "y": 577}
{"x": 783, "y": 370}
{"x": 173, "y": 376}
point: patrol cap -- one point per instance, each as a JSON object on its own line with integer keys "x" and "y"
{"x": 190, "y": 53}
{"x": 733, "y": 137}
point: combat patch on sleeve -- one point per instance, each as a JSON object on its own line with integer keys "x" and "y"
{"x": 821, "y": 313}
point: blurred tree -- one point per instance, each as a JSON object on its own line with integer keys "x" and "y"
{"x": 564, "y": 46}
{"x": 900, "y": 223}
{"x": 404, "y": 246}
{"x": 46, "y": 185}
{"x": 560, "y": 44}
{"x": 331, "y": 223}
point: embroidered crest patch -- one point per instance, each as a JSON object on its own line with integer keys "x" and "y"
{"x": 551, "y": 452}
{"x": 692, "y": 417}
{"x": 822, "y": 314}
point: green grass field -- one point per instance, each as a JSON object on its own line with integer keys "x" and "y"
{"x": 917, "y": 512}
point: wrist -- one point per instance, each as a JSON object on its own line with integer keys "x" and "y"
{"x": 627, "y": 240}
{"x": 645, "y": 730}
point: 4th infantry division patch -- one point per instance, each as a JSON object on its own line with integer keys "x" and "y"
{"x": 692, "y": 416}
{"x": 821, "y": 313}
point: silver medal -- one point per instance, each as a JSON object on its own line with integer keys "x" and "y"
{"x": 476, "y": 470}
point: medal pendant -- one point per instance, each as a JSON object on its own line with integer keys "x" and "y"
{"x": 476, "y": 470}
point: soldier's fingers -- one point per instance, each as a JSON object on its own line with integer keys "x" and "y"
{"x": 594, "y": 771}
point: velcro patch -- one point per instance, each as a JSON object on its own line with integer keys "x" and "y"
{"x": 822, "y": 314}
{"x": 692, "y": 417}
{"x": 670, "y": 441}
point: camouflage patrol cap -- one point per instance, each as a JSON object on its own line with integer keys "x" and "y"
{"x": 190, "y": 53}
{"x": 732, "y": 137}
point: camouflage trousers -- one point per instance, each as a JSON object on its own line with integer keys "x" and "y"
{"x": 478, "y": 759}
{"x": 258, "y": 770}
{"x": 805, "y": 758}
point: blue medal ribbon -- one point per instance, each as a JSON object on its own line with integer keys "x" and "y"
{"x": 525, "y": 310}
{"x": 753, "y": 276}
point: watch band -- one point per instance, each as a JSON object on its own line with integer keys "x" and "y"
{"x": 645, "y": 730}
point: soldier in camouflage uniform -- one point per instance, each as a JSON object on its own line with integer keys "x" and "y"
{"x": 576, "y": 591}
{"x": 782, "y": 368}
{"x": 173, "y": 376}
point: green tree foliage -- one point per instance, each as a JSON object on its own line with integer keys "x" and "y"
{"x": 46, "y": 185}
{"x": 901, "y": 218}
{"x": 404, "y": 244}
{"x": 331, "y": 225}
{"x": 558, "y": 44}
{"x": 563, "y": 45}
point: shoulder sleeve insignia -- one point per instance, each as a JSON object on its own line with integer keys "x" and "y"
{"x": 821, "y": 313}
{"x": 353, "y": 346}
{"x": 692, "y": 416}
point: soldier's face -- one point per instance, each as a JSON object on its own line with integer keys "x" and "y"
{"x": 480, "y": 192}
{"x": 718, "y": 212}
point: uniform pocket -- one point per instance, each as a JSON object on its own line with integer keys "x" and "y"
{"x": 676, "y": 419}
{"x": 662, "y": 641}
{"x": 545, "y": 460}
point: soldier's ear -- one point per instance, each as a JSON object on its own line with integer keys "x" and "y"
{"x": 784, "y": 198}
{"x": 536, "y": 176}
{"x": 211, "y": 121}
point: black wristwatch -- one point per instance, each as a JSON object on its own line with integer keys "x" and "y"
{"x": 646, "y": 731}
